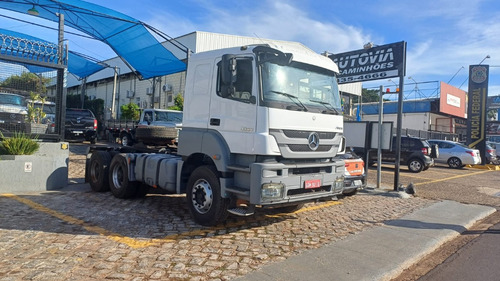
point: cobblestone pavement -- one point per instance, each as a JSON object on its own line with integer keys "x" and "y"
{"x": 77, "y": 234}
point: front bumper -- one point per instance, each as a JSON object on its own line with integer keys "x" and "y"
{"x": 300, "y": 182}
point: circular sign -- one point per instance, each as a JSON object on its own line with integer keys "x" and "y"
{"x": 478, "y": 74}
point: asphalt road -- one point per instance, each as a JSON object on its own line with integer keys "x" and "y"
{"x": 477, "y": 260}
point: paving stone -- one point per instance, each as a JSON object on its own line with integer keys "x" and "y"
{"x": 99, "y": 238}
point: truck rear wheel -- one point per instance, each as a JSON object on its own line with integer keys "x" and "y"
{"x": 203, "y": 194}
{"x": 99, "y": 170}
{"x": 156, "y": 135}
{"x": 119, "y": 183}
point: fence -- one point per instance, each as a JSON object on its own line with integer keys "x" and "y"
{"x": 430, "y": 134}
{"x": 31, "y": 88}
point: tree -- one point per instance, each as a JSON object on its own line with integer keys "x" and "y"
{"x": 130, "y": 111}
{"x": 179, "y": 103}
{"x": 27, "y": 81}
{"x": 368, "y": 96}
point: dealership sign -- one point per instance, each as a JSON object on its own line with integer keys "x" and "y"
{"x": 380, "y": 62}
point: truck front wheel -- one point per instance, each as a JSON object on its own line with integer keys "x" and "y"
{"x": 203, "y": 194}
{"x": 119, "y": 183}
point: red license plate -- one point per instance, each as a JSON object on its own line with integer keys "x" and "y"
{"x": 312, "y": 184}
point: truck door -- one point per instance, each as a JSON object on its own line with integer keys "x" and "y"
{"x": 233, "y": 110}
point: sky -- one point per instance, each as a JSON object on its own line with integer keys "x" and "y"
{"x": 443, "y": 37}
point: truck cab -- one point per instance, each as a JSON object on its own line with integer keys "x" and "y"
{"x": 268, "y": 121}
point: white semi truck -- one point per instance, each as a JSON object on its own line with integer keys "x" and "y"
{"x": 262, "y": 125}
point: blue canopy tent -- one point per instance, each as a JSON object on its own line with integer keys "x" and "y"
{"x": 78, "y": 64}
{"x": 128, "y": 37}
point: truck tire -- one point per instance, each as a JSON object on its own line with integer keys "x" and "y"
{"x": 119, "y": 183}
{"x": 157, "y": 135}
{"x": 98, "y": 170}
{"x": 204, "y": 198}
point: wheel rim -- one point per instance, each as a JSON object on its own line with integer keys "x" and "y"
{"x": 117, "y": 177}
{"x": 415, "y": 166}
{"x": 454, "y": 163}
{"x": 202, "y": 198}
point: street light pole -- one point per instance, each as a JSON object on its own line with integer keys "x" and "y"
{"x": 379, "y": 145}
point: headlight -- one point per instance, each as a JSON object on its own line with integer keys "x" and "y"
{"x": 339, "y": 182}
{"x": 272, "y": 190}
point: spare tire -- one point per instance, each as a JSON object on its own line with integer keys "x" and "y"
{"x": 157, "y": 135}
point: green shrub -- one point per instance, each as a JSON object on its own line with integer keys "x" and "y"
{"x": 18, "y": 144}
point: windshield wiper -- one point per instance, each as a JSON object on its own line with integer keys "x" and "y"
{"x": 292, "y": 98}
{"x": 327, "y": 105}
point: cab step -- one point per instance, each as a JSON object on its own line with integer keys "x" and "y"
{"x": 242, "y": 211}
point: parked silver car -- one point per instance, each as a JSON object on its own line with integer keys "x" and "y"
{"x": 455, "y": 154}
{"x": 496, "y": 146}
{"x": 491, "y": 154}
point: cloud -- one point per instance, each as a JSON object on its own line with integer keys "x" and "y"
{"x": 269, "y": 19}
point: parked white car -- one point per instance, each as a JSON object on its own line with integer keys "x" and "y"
{"x": 455, "y": 154}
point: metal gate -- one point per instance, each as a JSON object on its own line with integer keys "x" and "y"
{"x": 32, "y": 98}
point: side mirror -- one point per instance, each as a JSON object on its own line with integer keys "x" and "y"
{"x": 228, "y": 69}
{"x": 253, "y": 100}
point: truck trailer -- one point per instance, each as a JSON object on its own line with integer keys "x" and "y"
{"x": 261, "y": 127}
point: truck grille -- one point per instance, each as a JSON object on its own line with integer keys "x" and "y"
{"x": 12, "y": 117}
{"x": 305, "y": 134}
{"x": 305, "y": 148}
{"x": 294, "y": 144}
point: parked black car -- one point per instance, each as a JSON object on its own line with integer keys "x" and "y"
{"x": 416, "y": 153}
{"x": 80, "y": 125}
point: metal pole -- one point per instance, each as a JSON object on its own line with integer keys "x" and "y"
{"x": 398, "y": 133}
{"x": 113, "y": 112}
{"x": 60, "y": 90}
{"x": 379, "y": 144}
{"x": 399, "y": 119}
{"x": 60, "y": 38}
{"x": 153, "y": 95}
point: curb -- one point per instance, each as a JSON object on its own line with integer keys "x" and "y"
{"x": 379, "y": 253}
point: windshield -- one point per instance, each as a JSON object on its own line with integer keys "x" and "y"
{"x": 175, "y": 117}
{"x": 300, "y": 87}
{"x": 47, "y": 108}
{"x": 12, "y": 99}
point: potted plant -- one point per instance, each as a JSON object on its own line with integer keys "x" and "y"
{"x": 36, "y": 114}
{"x": 18, "y": 144}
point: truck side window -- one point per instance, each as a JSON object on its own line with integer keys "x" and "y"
{"x": 243, "y": 84}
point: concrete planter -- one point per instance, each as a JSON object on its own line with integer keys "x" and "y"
{"x": 36, "y": 129}
{"x": 47, "y": 169}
